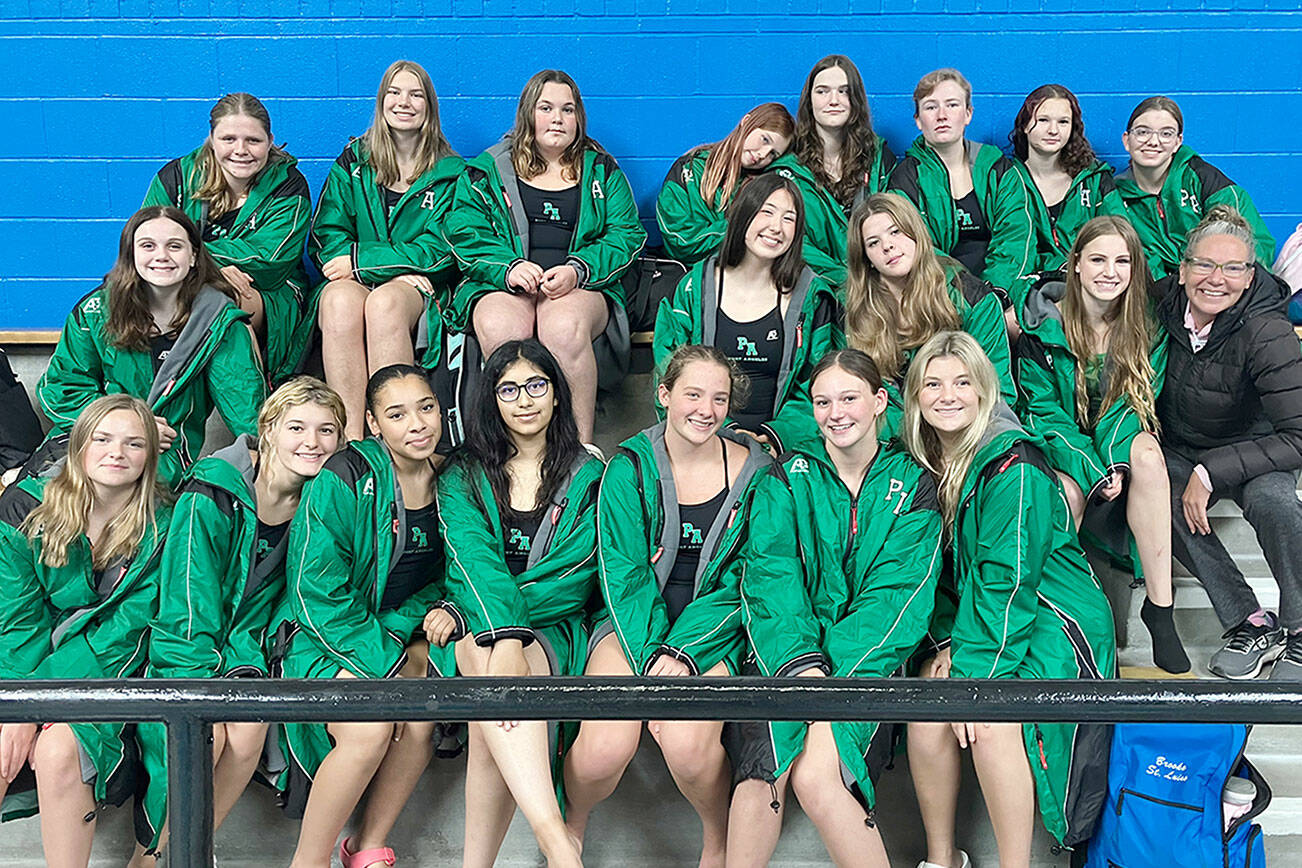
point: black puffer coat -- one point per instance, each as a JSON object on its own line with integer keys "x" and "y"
{"x": 1237, "y": 404}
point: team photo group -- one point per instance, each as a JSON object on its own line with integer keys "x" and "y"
{"x": 896, "y": 400}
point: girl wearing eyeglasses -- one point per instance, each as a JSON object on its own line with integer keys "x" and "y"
{"x": 1168, "y": 188}
{"x": 518, "y": 509}
{"x": 672, "y": 512}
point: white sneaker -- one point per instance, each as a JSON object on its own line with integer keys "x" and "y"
{"x": 965, "y": 863}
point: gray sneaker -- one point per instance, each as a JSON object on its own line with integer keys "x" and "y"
{"x": 1289, "y": 666}
{"x": 1247, "y": 649}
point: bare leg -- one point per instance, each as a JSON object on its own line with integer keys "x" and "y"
{"x": 489, "y": 806}
{"x": 753, "y": 826}
{"x": 1148, "y": 512}
{"x": 567, "y": 326}
{"x": 500, "y": 317}
{"x": 999, "y": 755}
{"x": 338, "y": 786}
{"x": 603, "y": 749}
{"x": 934, "y": 764}
{"x": 66, "y": 801}
{"x": 521, "y": 755}
{"x": 343, "y": 348}
{"x": 841, "y": 820}
{"x": 392, "y": 312}
{"x": 699, "y": 766}
{"x": 1075, "y": 500}
{"x": 256, "y": 308}
{"x": 235, "y": 766}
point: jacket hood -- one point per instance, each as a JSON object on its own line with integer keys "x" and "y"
{"x": 1004, "y": 430}
{"x": 231, "y": 468}
{"x": 1041, "y": 304}
{"x": 1126, "y": 180}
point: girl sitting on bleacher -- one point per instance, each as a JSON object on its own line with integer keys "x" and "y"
{"x": 762, "y": 308}
{"x": 378, "y": 238}
{"x": 543, "y": 225}
{"x": 672, "y": 517}
{"x": 251, "y": 204}
{"x": 1023, "y": 604}
{"x": 835, "y": 159}
{"x": 163, "y": 327}
{"x": 1091, "y": 362}
{"x": 80, "y": 542}
{"x": 693, "y": 202}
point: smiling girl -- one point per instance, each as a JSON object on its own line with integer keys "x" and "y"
{"x": 1066, "y": 185}
{"x": 251, "y": 204}
{"x": 163, "y": 327}
{"x": 377, "y": 237}
{"x": 223, "y": 576}
{"x": 671, "y": 517}
{"x": 762, "y": 308}
{"x": 835, "y": 159}
{"x": 543, "y": 225}
{"x": 692, "y": 205}
{"x": 1168, "y": 188}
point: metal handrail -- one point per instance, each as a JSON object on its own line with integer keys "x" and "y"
{"x": 190, "y": 707}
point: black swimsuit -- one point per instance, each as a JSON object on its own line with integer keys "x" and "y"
{"x": 552, "y": 217}
{"x": 421, "y": 553}
{"x": 756, "y": 347}
{"x": 520, "y": 529}
{"x": 973, "y": 234}
{"x": 695, "y": 520}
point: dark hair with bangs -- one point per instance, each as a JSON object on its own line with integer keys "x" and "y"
{"x": 752, "y": 196}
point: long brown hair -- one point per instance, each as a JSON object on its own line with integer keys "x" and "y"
{"x": 525, "y": 156}
{"x": 858, "y": 148}
{"x": 64, "y": 511}
{"x": 431, "y": 146}
{"x": 214, "y": 190}
{"x": 1130, "y": 328}
{"x": 723, "y": 166}
{"x": 130, "y": 323}
{"x": 875, "y": 322}
{"x": 1077, "y": 153}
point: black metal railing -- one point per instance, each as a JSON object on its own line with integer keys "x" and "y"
{"x": 189, "y": 708}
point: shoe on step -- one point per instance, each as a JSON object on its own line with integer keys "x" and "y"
{"x": 964, "y": 862}
{"x": 1289, "y": 666}
{"x": 1248, "y": 647}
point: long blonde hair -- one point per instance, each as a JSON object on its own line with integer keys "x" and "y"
{"x": 1130, "y": 328}
{"x": 525, "y": 156}
{"x": 431, "y": 146}
{"x": 64, "y": 511}
{"x": 875, "y": 322}
{"x": 921, "y": 439}
{"x": 214, "y": 190}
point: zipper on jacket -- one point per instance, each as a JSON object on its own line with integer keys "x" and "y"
{"x": 775, "y": 804}
{"x": 1039, "y": 743}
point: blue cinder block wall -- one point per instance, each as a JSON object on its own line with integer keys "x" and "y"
{"x": 96, "y": 94}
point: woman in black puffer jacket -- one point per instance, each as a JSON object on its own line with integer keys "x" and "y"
{"x": 1231, "y": 416}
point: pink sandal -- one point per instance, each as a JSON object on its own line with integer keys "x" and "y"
{"x": 363, "y": 858}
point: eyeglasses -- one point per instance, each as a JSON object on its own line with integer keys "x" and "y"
{"x": 534, "y": 387}
{"x": 1232, "y": 270}
{"x": 1166, "y": 135}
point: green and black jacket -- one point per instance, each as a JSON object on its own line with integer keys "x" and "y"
{"x": 213, "y": 364}
{"x": 844, "y": 583}
{"x": 691, "y": 228}
{"x": 809, "y": 332}
{"x": 215, "y": 607}
{"x": 1028, "y": 606}
{"x": 347, "y": 535}
{"x": 826, "y": 219}
{"x": 981, "y": 314}
{"x": 638, "y": 530}
{"x": 1093, "y": 193}
{"x": 266, "y": 243}
{"x": 547, "y": 601}
{"x": 1193, "y": 185}
{"x": 924, "y": 179}
{"x": 489, "y": 233}
{"x": 59, "y": 624}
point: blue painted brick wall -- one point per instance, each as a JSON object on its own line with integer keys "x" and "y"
{"x": 96, "y": 94}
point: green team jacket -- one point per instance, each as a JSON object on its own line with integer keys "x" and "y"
{"x": 981, "y": 314}
{"x": 1092, "y": 194}
{"x": 266, "y": 243}
{"x": 1028, "y": 606}
{"x": 809, "y": 332}
{"x": 214, "y": 607}
{"x": 691, "y": 228}
{"x": 638, "y": 530}
{"x": 546, "y": 601}
{"x": 826, "y": 220}
{"x": 345, "y": 538}
{"x": 1010, "y": 259}
{"x": 213, "y": 364}
{"x": 850, "y": 591}
{"x": 489, "y": 231}
{"x": 1165, "y": 219}
{"x": 68, "y": 627}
